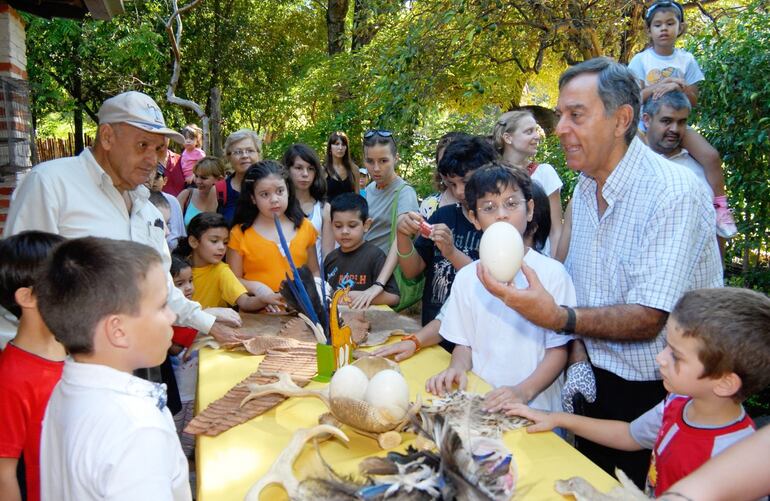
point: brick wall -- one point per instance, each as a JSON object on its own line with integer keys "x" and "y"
{"x": 13, "y": 65}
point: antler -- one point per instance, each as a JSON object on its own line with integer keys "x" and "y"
{"x": 284, "y": 386}
{"x": 281, "y": 472}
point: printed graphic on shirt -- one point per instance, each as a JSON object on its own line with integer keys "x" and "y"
{"x": 444, "y": 271}
{"x": 655, "y": 75}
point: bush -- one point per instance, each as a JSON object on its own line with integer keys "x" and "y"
{"x": 733, "y": 113}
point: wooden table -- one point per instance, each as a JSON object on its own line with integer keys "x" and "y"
{"x": 229, "y": 464}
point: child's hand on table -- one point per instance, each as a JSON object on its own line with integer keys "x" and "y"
{"x": 362, "y": 299}
{"x": 544, "y": 421}
{"x": 227, "y": 316}
{"x": 442, "y": 383}
{"x": 274, "y": 302}
{"x": 399, "y": 351}
{"x": 503, "y": 397}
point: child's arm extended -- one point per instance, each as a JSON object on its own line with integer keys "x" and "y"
{"x": 9, "y": 485}
{"x": 444, "y": 239}
{"x": 427, "y": 336}
{"x": 545, "y": 373}
{"x": 374, "y": 294}
{"x": 607, "y": 432}
{"x": 461, "y": 363}
{"x": 410, "y": 261}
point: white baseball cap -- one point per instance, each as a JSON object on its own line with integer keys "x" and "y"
{"x": 138, "y": 110}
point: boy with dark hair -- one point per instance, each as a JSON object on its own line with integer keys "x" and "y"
{"x": 717, "y": 354}
{"x": 453, "y": 241}
{"x": 106, "y": 302}
{"x": 30, "y": 366}
{"x": 356, "y": 263}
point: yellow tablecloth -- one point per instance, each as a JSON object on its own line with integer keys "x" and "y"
{"x": 227, "y": 465}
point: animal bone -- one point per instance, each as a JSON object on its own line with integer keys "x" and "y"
{"x": 284, "y": 386}
{"x": 584, "y": 491}
{"x": 281, "y": 472}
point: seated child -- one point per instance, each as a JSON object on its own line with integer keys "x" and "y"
{"x": 717, "y": 354}
{"x": 192, "y": 152}
{"x": 522, "y": 361}
{"x": 356, "y": 263}
{"x": 106, "y": 433}
{"x": 30, "y": 365}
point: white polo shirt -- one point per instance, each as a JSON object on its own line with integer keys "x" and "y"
{"x": 74, "y": 197}
{"x": 108, "y": 435}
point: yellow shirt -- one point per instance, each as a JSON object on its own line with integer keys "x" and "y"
{"x": 216, "y": 286}
{"x": 263, "y": 260}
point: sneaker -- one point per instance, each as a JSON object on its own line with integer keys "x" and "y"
{"x": 725, "y": 223}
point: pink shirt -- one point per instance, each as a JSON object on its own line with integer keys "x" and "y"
{"x": 189, "y": 159}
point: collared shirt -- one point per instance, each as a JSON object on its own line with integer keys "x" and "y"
{"x": 74, "y": 198}
{"x": 108, "y": 435}
{"x": 654, "y": 242}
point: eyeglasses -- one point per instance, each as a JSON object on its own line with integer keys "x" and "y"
{"x": 378, "y": 132}
{"x": 240, "y": 153}
{"x": 510, "y": 205}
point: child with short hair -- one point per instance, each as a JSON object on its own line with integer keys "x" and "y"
{"x": 522, "y": 361}
{"x": 356, "y": 263}
{"x": 30, "y": 365}
{"x": 175, "y": 221}
{"x": 106, "y": 433}
{"x": 453, "y": 241}
{"x": 192, "y": 153}
{"x": 662, "y": 68}
{"x": 204, "y": 197}
{"x": 717, "y": 355}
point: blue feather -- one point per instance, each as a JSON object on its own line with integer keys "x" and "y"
{"x": 302, "y": 295}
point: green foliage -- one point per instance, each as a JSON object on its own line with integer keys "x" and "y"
{"x": 734, "y": 115}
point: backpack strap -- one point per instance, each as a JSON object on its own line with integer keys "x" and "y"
{"x": 394, "y": 214}
{"x": 221, "y": 188}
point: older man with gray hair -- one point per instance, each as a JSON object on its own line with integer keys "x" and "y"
{"x": 642, "y": 236}
{"x": 101, "y": 193}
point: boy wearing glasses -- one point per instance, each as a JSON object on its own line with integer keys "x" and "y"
{"x": 523, "y": 362}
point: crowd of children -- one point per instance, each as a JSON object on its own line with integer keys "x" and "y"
{"x": 227, "y": 233}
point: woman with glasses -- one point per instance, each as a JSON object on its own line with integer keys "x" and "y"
{"x": 243, "y": 148}
{"x": 341, "y": 171}
{"x": 517, "y": 136}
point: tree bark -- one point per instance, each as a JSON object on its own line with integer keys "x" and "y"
{"x": 216, "y": 122}
{"x": 336, "y": 13}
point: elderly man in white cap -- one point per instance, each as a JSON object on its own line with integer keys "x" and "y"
{"x": 101, "y": 193}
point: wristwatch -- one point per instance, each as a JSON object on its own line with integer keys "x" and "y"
{"x": 569, "y": 326}
{"x": 413, "y": 338}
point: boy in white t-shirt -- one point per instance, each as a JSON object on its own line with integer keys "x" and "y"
{"x": 522, "y": 361}
{"x": 108, "y": 434}
{"x": 663, "y": 68}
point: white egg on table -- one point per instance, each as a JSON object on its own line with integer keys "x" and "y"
{"x": 501, "y": 250}
{"x": 389, "y": 392}
{"x": 350, "y": 382}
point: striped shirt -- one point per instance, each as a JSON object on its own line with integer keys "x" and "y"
{"x": 654, "y": 242}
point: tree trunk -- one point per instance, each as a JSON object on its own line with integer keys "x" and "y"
{"x": 215, "y": 111}
{"x": 77, "y": 87}
{"x": 336, "y": 13}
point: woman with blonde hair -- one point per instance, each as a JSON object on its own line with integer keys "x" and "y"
{"x": 243, "y": 148}
{"x": 517, "y": 136}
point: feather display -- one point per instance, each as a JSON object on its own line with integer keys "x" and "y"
{"x": 298, "y": 295}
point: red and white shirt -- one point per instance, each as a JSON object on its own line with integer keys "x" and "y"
{"x": 679, "y": 447}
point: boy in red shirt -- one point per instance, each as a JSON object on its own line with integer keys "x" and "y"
{"x": 30, "y": 366}
{"x": 717, "y": 355}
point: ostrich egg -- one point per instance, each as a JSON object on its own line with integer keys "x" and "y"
{"x": 350, "y": 382}
{"x": 389, "y": 392}
{"x": 501, "y": 250}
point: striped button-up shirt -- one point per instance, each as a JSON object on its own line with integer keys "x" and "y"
{"x": 654, "y": 242}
